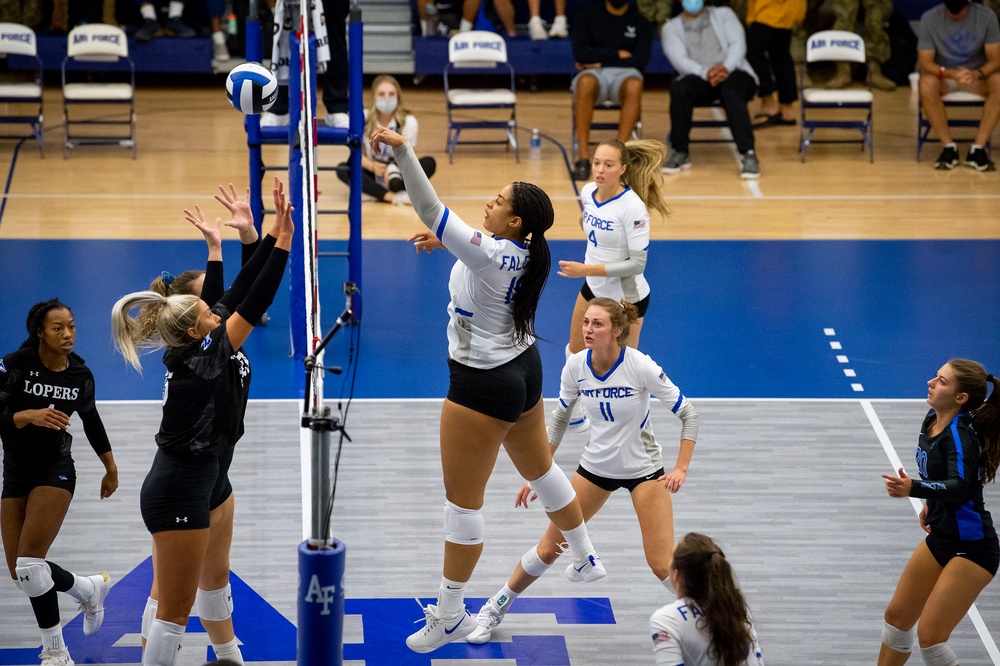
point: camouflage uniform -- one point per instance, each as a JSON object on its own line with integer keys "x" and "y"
{"x": 877, "y": 13}
{"x": 25, "y": 12}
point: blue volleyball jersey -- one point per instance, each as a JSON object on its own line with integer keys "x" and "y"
{"x": 951, "y": 480}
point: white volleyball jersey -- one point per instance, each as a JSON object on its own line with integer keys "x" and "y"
{"x": 678, "y": 640}
{"x": 482, "y": 285}
{"x": 483, "y": 280}
{"x": 622, "y": 444}
{"x": 613, "y": 228}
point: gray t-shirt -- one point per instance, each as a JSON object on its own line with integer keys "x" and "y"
{"x": 702, "y": 43}
{"x": 958, "y": 43}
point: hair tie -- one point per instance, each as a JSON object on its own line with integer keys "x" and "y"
{"x": 167, "y": 278}
{"x": 989, "y": 379}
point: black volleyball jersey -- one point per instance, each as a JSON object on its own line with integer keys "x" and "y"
{"x": 951, "y": 480}
{"x": 25, "y": 383}
{"x": 204, "y": 395}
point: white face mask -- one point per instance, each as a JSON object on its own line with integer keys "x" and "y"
{"x": 385, "y": 104}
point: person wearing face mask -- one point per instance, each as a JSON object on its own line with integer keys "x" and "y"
{"x": 707, "y": 47}
{"x": 958, "y": 452}
{"x": 380, "y": 177}
{"x": 611, "y": 45}
{"x": 958, "y": 48}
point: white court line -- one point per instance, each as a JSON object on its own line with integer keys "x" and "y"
{"x": 890, "y": 451}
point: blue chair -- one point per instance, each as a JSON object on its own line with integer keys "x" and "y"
{"x": 855, "y": 103}
{"x": 20, "y": 96}
{"x": 958, "y": 99}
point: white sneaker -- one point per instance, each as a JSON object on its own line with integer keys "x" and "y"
{"x": 401, "y": 198}
{"x": 56, "y": 658}
{"x": 586, "y": 571}
{"x": 268, "y": 119}
{"x": 489, "y": 618}
{"x": 439, "y": 630}
{"x": 536, "y": 29}
{"x": 559, "y": 27}
{"x": 93, "y": 608}
{"x": 338, "y": 120}
{"x": 219, "y": 50}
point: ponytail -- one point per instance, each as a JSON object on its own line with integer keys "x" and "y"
{"x": 171, "y": 317}
{"x": 36, "y": 320}
{"x": 984, "y": 411}
{"x": 709, "y": 581}
{"x": 643, "y": 159}
{"x": 165, "y": 285}
{"x": 533, "y": 206}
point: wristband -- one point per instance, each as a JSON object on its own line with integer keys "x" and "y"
{"x": 940, "y": 72}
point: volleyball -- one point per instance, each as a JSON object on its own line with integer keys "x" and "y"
{"x": 251, "y": 88}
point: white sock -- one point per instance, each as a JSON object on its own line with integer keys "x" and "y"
{"x": 148, "y": 12}
{"x": 579, "y": 542}
{"x": 219, "y": 37}
{"x": 229, "y": 651}
{"x": 505, "y": 597}
{"x": 82, "y": 588}
{"x": 176, "y": 9}
{"x": 465, "y": 26}
{"x": 163, "y": 643}
{"x": 951, "y": 145}
{"x": 52, "y": 638}
{"x": 974, "y": 148}
{"x": 451, "y": 598}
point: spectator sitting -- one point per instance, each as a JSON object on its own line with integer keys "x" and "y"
{"x": 504, "y": 9}
{"x": 380, "y": 177}
{"x": 974, "y": 66}
{"x": 769, "y": 37}
{"x": 877, "y": 49}
{"x": 707, "y": 47}
{"x": 611, "y": 44}
{"x": 150, "y": 28}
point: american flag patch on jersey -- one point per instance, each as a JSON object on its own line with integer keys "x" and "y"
{"x": 639, "y": 224}
{"x": 660, "y": 637}
{"x": 477, "y": 239}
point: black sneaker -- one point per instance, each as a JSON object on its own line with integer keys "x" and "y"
{"x": 581, "y": 170}
{"x": 750, "y": 169}
{"x": 948, "y": 159}
{"x": 148, "y": 31}
{"x": 979, "y": 160}
{"x": 175, "y": 27}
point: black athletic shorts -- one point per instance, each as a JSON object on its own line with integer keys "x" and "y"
{"x": 223, "y": 488}
{"x": 611, "y": 485}
{"x": 19, "y": 479}
{"x": 588, "y": 295}
{"x": 984, "y": 552}
{"x": 504, "y": 392}
{"x": 177, "y": 493}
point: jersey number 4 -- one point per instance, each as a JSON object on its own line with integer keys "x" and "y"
{"x": 592, "y": 237}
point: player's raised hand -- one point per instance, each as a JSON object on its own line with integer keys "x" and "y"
{"x": 425, "y": 241}
{"x": 385, "y": 136}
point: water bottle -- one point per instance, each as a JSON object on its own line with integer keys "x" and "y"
{"x": 535, "y": 146}
{"x": 232, "y": 24}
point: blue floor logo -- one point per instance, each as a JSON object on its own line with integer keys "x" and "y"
{"x": 269, "y": 636}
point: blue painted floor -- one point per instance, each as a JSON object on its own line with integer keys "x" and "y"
{"x": 727, "y": 318}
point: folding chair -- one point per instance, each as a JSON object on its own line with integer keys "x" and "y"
{"x": 836, "y": 46}
{"x": 478, "y": 52}
{"x": 98, "y": 51}
{"x": 602, "y": 125}
{"x": 958, "y": 99}
{"x": 19, "y": 40}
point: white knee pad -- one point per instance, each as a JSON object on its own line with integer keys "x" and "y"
{"x": 214, "y": 605}
{"x": 148, "y": 615}
{"x": 939, "y": 655}
{"x": 163, "y": 643}
{"x": 532, "y": 564}
{"x": 553, "y": 489}
{"x": 465, "y": 527}
{"x": 34, "y": 574}
{"x": 898, "y": 640}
